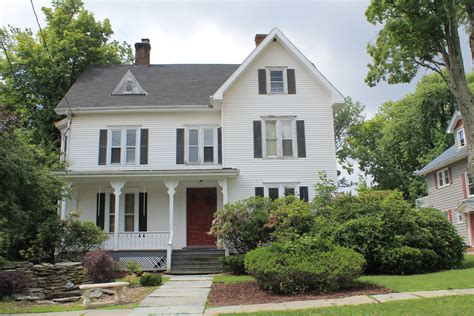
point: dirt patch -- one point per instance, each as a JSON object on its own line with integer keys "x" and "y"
{"x": 249, "y": 292}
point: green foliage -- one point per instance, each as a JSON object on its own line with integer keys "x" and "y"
{"x": 291, "y": 218}
{"x": 303, "y": 265}
{"x": 394, "y": 237}
{"x": 132, "y": 279}
{"x": 29, "y": 193}
{"x": 233, "y": 264}
{"x": 404, "y": 136}
{"x": 134, "y": 267}
{"x": 243, "y": 225}
{"x": 151, "y": 279}
{"x": 75, "y": 41}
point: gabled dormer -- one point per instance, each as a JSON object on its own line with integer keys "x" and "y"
{"x": 456, "y": 127}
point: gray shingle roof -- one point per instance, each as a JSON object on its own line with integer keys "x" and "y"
{"x": 450, "y": 155}
{"x": 166, "y": 85}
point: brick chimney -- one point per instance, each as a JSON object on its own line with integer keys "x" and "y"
{"x": 142, "y": 52}
{"x": 259, "y": 38}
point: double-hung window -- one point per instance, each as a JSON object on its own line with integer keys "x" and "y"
{"x": 443, "y": 178}
{"x": 461, "y": 138}
{"x": 131, "y": 144}
{"x": 129, "y": 225}
{"x": 277, "y": 80}
{"x": 116, "y": 147}
{"x": 201, "y": 145}
{"x": 470, "y": 185}
{"x": 280, "y": 138}
{"x": 123, "y": 146}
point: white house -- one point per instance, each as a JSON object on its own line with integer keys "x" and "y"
{"x": 154, "y": 150}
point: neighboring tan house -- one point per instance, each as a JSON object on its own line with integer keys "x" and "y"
{"x": 450, "y": 189}
{"x": 155, "y": 150}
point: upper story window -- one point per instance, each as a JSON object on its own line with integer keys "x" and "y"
{"x": 277, "y": 80}
{"x": 461, "y": 138}
{"x": 201, "y": 145}
{"x": 280, "y": 138}
{"x": 123, "y": 146}
{"x": 443, "y": 178}
{"x": 470, "y": 185}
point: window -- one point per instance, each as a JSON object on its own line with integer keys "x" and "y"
{"x": 279, "y": 138}
{"x": 277, "y": 190}
{"x": 460, "y": 218}
{"x": 289, "y": 191}
{"x": 116, "y": 147}
{"x": 273, "y": 193}
{"x": 131, "y": 145}
{"x": 111, "y": 213}
{"x": 123, "y": 146}
{"x": 129, "y": 212}
{"x": 470, "y": 185}
{"x": 443, "y": 178}
{"x": 461, "y": 138}
{"x": 277, "y": 80}
{"x": 201, "y": 145}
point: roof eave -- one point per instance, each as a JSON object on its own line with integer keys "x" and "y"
{"x": 452, "y": 123}
{"x": 445, "y": 163}
{"x": 133, "y": 108}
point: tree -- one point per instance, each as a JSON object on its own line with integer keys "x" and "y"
{"x": 37, "y": 70}
{"x": 424, "y": 34}
{"x": 404, "y": 136}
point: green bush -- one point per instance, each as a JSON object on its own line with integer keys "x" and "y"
{"x": 134, "y": 267}
{"x": 233, "y": 264}
{"x": 243, "y": 225}
{"x": 393, "y": 236}
{"x": 290, "y": 218}
{"x": 151, "y": 279}
{"x": 307, "y": 264}
{"x": 132, "y": 279}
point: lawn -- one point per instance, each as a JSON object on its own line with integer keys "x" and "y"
{"x": 444, "y": 280}
{"x": 452, "y": 306}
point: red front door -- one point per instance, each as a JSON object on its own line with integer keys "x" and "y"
{"x": 201, "y": 204}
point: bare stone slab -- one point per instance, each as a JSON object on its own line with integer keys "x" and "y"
{"x": 352, "y": 300}
{"x": 437, "y": 293}
{"x": 382, "y": 298}
{"x": 67, "y": 299}
{"x": 223, "y": 310}
{"x": 464, "y": 291}
{"x": 172, "y": 301}
{"x": 167, "y": 310}
{"x": 186, "y": 284}
{"x": 263, "y": 307}
{"x": 307, "y": 304}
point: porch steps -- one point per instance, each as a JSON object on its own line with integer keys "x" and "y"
{"x": 196, "y": 261}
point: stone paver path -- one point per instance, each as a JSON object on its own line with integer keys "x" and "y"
{"x": 181, "y": 295}
{"x": 351, "y": 300}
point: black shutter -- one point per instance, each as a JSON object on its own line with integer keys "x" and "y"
{"x": 180, "y": 146}
{"x": 219, "y": 145}
{"x": 300, "y": 137}
{"x": 304, "y": 194}
{"x": 257, "y": 139}
{"x": 100, "y": 210}
{"x": 142, "y": 211}
{"x": 259, "y": 191}
{"x": 144, "y": 146}
{"x": 262, "y": 81}
{"x": 290, "y": 76}
{"x": 102, "y": 147}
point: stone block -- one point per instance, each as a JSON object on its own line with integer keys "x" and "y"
{"x": 67, "y": 299}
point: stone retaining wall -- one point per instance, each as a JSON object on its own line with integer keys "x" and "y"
{"x": 50, "y": 281}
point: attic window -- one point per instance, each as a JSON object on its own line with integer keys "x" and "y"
{"x": 461, "y": 138}
{"x": 129, "y": 85}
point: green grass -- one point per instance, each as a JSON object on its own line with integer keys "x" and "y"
{"x": 229, "y": 278}
{"x": 443, "y": 280}
{"x": 452, "y": 306}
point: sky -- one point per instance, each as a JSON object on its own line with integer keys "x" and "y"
{"x": 332, "y": 34}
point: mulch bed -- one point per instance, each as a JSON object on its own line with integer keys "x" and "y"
{"x": 249, "y": 292}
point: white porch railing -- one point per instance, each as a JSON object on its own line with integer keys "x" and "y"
{"x": 139, "y": 241}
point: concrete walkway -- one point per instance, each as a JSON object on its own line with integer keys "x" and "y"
{"x": 351, "y": 300}
{"x": 181, "y": 295}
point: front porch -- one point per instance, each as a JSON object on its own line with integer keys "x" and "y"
{"x": 154, "y": 212}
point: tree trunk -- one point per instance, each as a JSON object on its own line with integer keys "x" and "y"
{"x": 470, "y": 17}
{"x": 459, "y": 86}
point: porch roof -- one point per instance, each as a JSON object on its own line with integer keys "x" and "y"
{"x": 150, "y": 175}
{"x": 465, "y": 206}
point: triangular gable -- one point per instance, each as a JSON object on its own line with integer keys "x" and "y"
{"x": 337, "y": 99}
{"x": 466, "y": 206}
{"x": 454, "y": 122}
{"x": 128, "y": 85}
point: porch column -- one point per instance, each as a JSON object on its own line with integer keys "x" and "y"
{"x": 171, "y": 185}
{"x": 223, "y": 184}
{"x": 117, "y": 186}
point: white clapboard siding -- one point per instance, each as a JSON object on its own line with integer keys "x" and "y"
{"x": 448, "y": 198}
{"x": 242, "y": 105}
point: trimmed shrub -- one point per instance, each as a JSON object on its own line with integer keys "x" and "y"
{"x": 132, "y": 279}
{"x": 13, "y": 282}
{"x": 243, "y": 225}
{"x": 304, "y": 265}
{"x": 99, "y": 265}
{"x": 291, "y": 218}
{"x": 134, "y": 267}
{"x": 151, "y": 279}
{"x": 233, "y": 264}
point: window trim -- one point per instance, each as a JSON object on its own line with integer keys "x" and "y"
{"x": 279, "y": 135}
{"x": 458, "y": 138}
{"x": 443, "y": 178}
{"x": 201, "y": 129}
{"x": 460, "y": 218}
{"x": 285, "y": 80}
{"x": 281, "y": 188}
{"x": 123, "y": 145}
